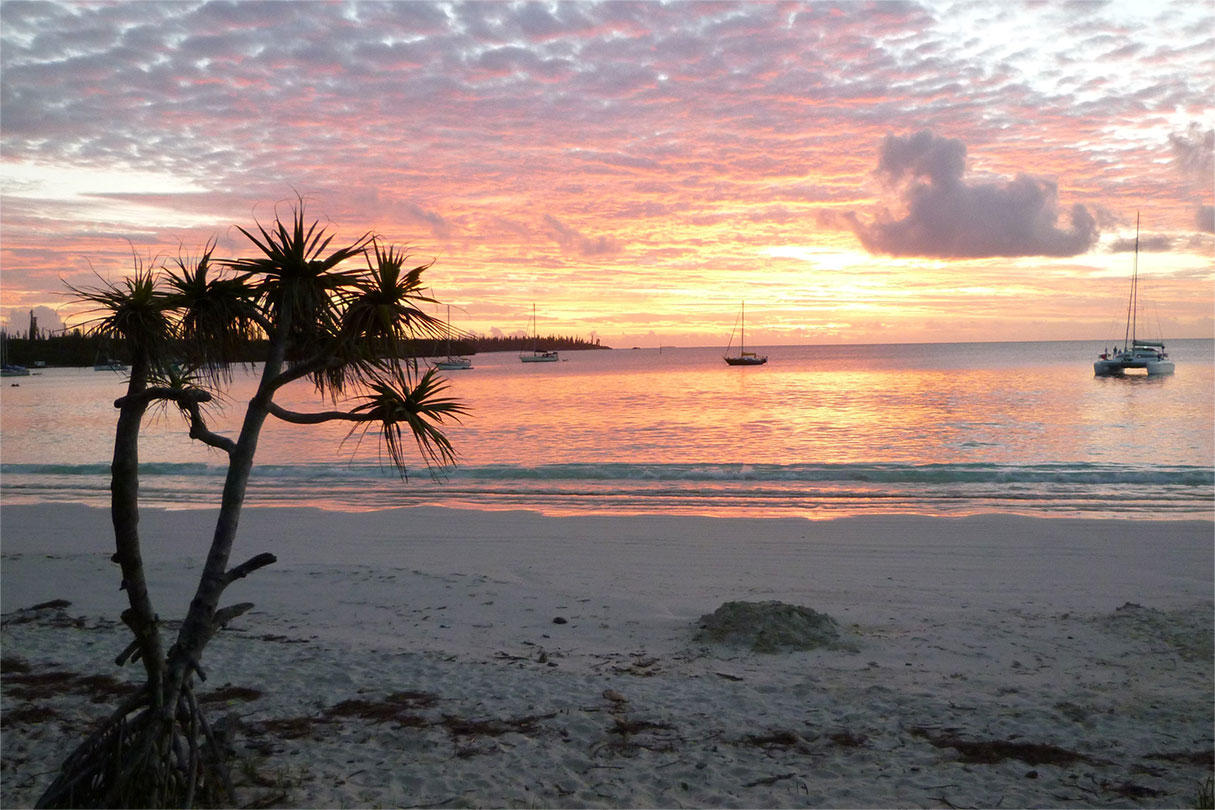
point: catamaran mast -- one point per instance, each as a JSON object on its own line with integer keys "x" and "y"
{"x": 1132, "y": 305}
{"x": 1135, "y": 274}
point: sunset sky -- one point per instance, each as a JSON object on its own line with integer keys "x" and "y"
{"x": 857, "y": 172}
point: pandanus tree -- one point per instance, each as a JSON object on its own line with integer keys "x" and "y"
{"x": 343, "y": 318}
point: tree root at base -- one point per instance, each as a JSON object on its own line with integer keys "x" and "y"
{"x": 142, "y": 757}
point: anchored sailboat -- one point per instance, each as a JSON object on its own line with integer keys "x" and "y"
{"x": 8, "y": 369}
{"x": 744, "y": 357}
{"x": 1148, "y": 355}
{"x": 452, "y": 362}
{"x": 537, "y": 356}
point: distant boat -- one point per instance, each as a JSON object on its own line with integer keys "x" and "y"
{"x": 102, "y": 362}
{"x": 537, "y": 356}
{"x": 743, "y": 358}
{"x": 1148, "y": 355}
{"x": 8, "y": 369}
{"x": 452, "y": 362}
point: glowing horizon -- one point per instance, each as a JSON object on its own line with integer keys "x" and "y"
{"x": 858, "y": 173}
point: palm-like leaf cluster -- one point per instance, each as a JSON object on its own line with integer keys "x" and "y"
{"x": 217, "y": 315}
{"x": 300, "y": 289}
{"x": 134, "y": 310}
{"x": 347, "y": 327}
{"x": 416, "y": 411}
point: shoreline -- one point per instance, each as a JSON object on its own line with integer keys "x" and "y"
{"x": 1088, "y": 636}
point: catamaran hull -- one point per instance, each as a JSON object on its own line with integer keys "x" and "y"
{"x": 1117, "y": 368}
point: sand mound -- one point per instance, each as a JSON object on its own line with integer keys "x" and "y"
{"x": 1187, "y": 631}
{"x": 770, "y": 627}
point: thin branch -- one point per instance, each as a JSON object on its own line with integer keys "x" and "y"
{"x": 300, "y": 370}
{"x": 182, "y": 396}
{"x": 248, "y": 567}
{"x": 225, "y": 615}
{"x": 133, "y": 652}
{"x": 200, "y": 431}
{"x": 317, "y": 418}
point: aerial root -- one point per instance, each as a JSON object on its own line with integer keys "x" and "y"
{"x": 142, "y": 757}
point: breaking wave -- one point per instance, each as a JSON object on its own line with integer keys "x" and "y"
{"x": 1081, "y": 488}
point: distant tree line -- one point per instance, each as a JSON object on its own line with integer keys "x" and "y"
{"x": 472, "y": 345}
{"x": 78, "y": 349}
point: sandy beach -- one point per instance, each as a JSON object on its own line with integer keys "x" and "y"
{"x": 458, "y": 658}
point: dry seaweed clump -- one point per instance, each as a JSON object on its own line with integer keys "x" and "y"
{"x": 771, "y": 627}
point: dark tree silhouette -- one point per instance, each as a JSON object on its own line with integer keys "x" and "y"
{"x": 326, "y": 318}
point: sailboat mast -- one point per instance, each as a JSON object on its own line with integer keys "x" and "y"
{"x": 1135, "y": 284}
{"x": 742, "y": 333}
{"x": 1132, "y": 304}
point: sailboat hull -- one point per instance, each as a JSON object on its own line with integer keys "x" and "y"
{"x": 1145, "y": 355}
{"x": 541, "y": 357}
{"x": 744, "y": 357}
{"x": 1117, "y": 367}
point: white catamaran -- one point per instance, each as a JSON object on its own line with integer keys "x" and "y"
{"x": 1148, "y": 355}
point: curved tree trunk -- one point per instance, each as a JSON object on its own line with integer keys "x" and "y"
{"x": 124, "y": 513}
{"x": 201, "y": 620}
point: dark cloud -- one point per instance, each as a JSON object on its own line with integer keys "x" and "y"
{"x": 949, "y": 217}
{"x": 571, "y": 240}
{"x": 1194, "y": 153}
{"x": 1146, "y": 244}
{"x": 1194, "y": 158}
{"x": 1204, "y": 218}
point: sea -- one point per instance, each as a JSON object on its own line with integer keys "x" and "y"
{"x": 818, "y": 432}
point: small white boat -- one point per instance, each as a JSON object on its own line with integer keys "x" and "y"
{"x": 537, "y": 356}
{"x": 109, "y": 365}
{"x": 743, "y": 358}
{"x": 1145, "y": 355}
{"x": 452, "y": 362}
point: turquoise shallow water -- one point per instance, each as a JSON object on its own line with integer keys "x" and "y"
{"x": 819, "y": 431}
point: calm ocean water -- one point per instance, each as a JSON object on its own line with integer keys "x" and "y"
{"x": 821, "y": 431}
